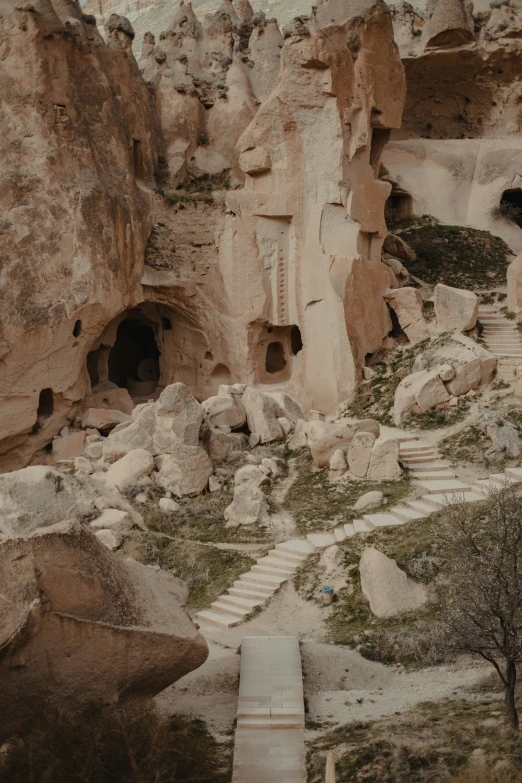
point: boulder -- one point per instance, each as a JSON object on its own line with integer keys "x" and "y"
{"x": 178, "y": 419}
{"x": 168, "y": 505}
{"x": 455, "y": 308}
{"x": 419, "y": 392}
{"x": 39, "y": 496}
{"x": 185, "y": 472}
{"x": 271, "y": 465}
{"x": 388, "y": 589}
{"x": 288, "y": 408}
{"x": 248, "y": 506}
{"x": 504, "y": 436}
{"x": 137, "y": 435}
{"x": 407, "y": 304}
{"x": 306, "y": 432}
{"x": 94, "y": 450}
{"x": 398, "y": 248}
{"x": 384, "y": 460}
{"x": 109, "y": 538}
{"x": 286, "y": 425}
{"x": 262, "y": 413}
{"x": 69, "y": 446}
{"x": 90, "y": 627}
{"x": 339, "y": 435}
{"x": 359, "y": 453}
{"x": 102, "y": 419}
{"x": 225, "y": 409}
{"x": 338, "y": 464}
{"x": 472, "y": 363}
{"x": 108, "y": 395}
{"x": 252, "y": 474}
{"x": 331, "y": 558}
{"x": 236, "y": 389}
{"x": 82, "y": 463}
{"x": 127, "y": 471}
{"x": 368, "y": 499}
{"x": 113, "y": 519}
{"x": 220, "y": 445}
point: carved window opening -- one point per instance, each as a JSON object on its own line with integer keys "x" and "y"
{"x": 296, "y": 341}
{"x": 45, "y": 404}
{"x": 275, "y": 358}
{"x": 77, "y": 330}
{"x": 511, "y": 206}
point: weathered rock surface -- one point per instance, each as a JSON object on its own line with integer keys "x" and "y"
{"x": 339, "y": 435}
{"x": 225, "y": 409}
{"x": 368, "y": 499}
{"x": 389, "y": 591}
{"x": 360, "y": 452}
{"x": 455, "y": 308}
{"x": 472, "y": 363}
{"x": 420, "y": 391}
{"x": 407, "y": 303}
{"x": 127, "y": 472}
{"x": 262, "y": 413}
{"x": 40, "y": 496}
{"x": 504, "y": 436}
{"x": 185, "y": 472}
{"x": 384, "y": 460}
{"x": 90, "y": 627}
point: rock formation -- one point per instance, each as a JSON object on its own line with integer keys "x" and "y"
{"x": 80, "y": 625}
{"x": 118, "y": 286}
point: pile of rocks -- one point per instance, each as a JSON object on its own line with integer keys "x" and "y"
{"x": 452, "y": 366}
{"x": 348, "y": 445}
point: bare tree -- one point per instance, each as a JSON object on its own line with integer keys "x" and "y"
{"x": 482, "y": 599}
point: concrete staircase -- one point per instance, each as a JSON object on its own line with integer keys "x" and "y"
{"x": 269, "y": 744}
{"x": 501, "y": 335}
{"x": 434, "y": 475}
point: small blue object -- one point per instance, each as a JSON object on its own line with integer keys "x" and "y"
{"x": 327, "y": 590}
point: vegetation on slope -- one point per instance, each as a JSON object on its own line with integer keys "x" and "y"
{"x": 455, "y": 255}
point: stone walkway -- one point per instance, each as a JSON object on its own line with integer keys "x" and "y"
{"x": 269, "y": 743}
{"x": 501, "y": 335}
{"x": 433, "y": 475}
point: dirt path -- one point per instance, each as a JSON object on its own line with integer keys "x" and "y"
{"x": 341, "y": 686}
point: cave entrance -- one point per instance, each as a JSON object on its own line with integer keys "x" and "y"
{"x": 511, "y": 205}
{"x": 398, "y": 207}
{"x": 134, "y": 358}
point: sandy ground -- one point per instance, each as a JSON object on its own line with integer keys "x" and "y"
{"x": 342, "y": 687}
{"x": 209, "y": 692}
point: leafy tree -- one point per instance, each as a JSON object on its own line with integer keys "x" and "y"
{"x": 483, "y": 596}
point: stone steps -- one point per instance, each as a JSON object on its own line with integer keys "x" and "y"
{"x": 434, "y": 475}
{"x": 501, "y": 336}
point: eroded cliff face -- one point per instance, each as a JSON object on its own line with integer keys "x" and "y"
{"x": 78, "y": 151}
{"x": 115, "y": 280}
{"x": 458, "y": 150}
{"x": 300, "y": 254}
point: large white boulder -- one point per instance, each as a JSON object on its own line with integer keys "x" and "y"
{"x": 185, "y": 472}
{"x": 388, "y": 589}
{"x": 420, "y": 391}
{"x": 137, "y": 435}
{"x": 127, "y": 471}
{"x": 262, "y": 413}
{"x": 306, "y": 432}
{"x": 288, "y": 408}
{"x": 359, "y": 453}
{"x": 248, "y": 507}
{"x": 455, "y": 308}
{"x": 407, "y": 304}
{"x": 225, "y": 409}
{"x": 473, "y": 365}
{"x": 178, "y": 419}
{"x": 384, "y": 460}
{"x": 339, "y": 435}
